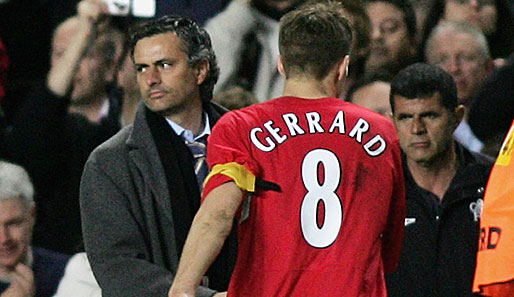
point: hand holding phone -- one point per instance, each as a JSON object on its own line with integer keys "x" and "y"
{"x": 91, "y": 10}
{"x": 137, "y": 8}
{"x": 118, "y": 7}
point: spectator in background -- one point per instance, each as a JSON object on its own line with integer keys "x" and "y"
{"x": 25, "y": 271}
{"x": 421, "y": 8}
{"x": 355, "y": 11}
{"x": 127, "y": 82}
{"x": 393, "y": 38}
{"x": 494, "y": 18}
{"x": 57, "y": 126}
{"x": 444, "y": 187}
{"x": 198, "y": 10}
{"x": 372, "y": 91}
{"x": 140, "y": 189}
{"x": 461, "y": 50}
{"x": 235, "y": 97}
{"x": 245, "y": 39}
{"x": 493, "y": 109}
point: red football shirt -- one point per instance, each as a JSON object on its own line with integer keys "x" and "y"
{"x": 337, "y": 224}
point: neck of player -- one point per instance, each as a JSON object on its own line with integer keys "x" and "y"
{"x": 309, "y": 88}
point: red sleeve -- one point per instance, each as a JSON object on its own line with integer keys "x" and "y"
{"x": 229, "y": 142}
{"x": 393, "y": 235}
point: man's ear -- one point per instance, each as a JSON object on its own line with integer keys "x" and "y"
{"x": 202, "y": 68}
{"x": 280, "y": 66}
{"x": 342, "y": 71}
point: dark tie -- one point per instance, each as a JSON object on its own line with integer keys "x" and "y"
{"x": 198, "y": 149}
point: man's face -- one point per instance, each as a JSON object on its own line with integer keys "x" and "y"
{"x": 127, "y": 79}
{"x": 390, "y": 41}
{"x": 481, "y": 13}
{"x": 374, "y": 96}
{"x": 16, "y": 222}
{"x": 167, "y": 83}
{"x": 459, "y": 55}
{"x": 91, "y": 77}
{"x": 425, "y": 128}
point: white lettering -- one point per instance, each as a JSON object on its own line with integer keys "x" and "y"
{"x": 378, "y": 151}
{"x": 291, "y": 121}
{"x": 313, "y": 119}
{"x": 258, "y": 144}
{"x": 274, "y": 132}
{"x": 338, "y": 123}
{"x": 360, "y": 128}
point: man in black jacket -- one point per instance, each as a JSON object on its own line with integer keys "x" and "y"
{"x": 141, "y": 189}
{"x": 444, "y": 187}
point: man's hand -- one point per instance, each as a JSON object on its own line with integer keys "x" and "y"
{"x": 22, "y": 284}
{"x": 224, "y": 294}
{"x": 91, "y": 10}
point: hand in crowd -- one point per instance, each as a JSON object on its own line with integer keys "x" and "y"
{"x": 91, "y": 10}
{"x": 22, "y": 284}
{"x": 499, "y": 62}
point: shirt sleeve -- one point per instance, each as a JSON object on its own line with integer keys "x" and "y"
{"x": 229, "y": 143}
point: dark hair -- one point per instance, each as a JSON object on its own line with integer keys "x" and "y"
{"x": 409, "y": 15}
{"x": 381, "y": 75}
{"x": 313, "y": 38}
{"x": 423, "y": 80}
{"x": 196, "y": 43}
{"x": 501, "y": 43}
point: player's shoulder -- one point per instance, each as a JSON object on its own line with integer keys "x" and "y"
{"x": 246, "y": 115}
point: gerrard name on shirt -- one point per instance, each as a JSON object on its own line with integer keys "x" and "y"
{"x": 273, "y": 135}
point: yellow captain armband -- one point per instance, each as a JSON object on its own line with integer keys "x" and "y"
{"x": 243, "y": 178}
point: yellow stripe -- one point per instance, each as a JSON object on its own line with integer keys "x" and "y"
{"x": 243, "y": 178}
{"x": 506, "y": 152}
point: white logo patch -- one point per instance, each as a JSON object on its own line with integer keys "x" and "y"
{"x": 409, "y": 221}
{"x": 476, "y": 209}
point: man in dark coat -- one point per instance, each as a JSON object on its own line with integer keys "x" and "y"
{"x": 141, "y": 189}
{"x": 444, "y": 185}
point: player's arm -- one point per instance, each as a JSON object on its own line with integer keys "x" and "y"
{"x": 211, "y": 226}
